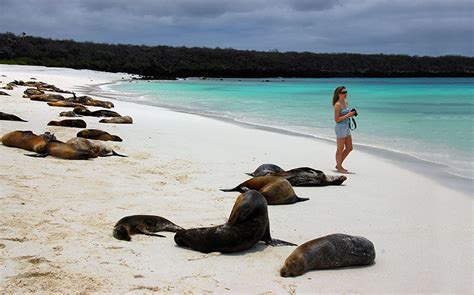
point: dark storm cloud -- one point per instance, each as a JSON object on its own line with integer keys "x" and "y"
{"x": 416, "y": 27}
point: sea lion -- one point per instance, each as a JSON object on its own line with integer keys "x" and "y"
{"x": 10, "y": 117}
{"x": 118, "y": 120}
{"x": 100, "y": 113}
{"x": 98, "y": 135}
{"x": 27, "y": 140}
{"x": 303, "y": 176}
{"x": 4, "y": 93}
{"x": 63, "y": 104}
{"x": 332, "y": 251}
{"x": 76, "y": 123}
{"x": 142, "y": 224}
{"x": 69, "y": 114}
{"x": 62, "y": 150}
{"x": 47, "y": 97}
{"x": 264, "y": 169}
{"x": 89, "y": 101}
{"x": 247, "y": 225}
{"x": 277, "y": 190}
{"x": 98, "y": 148}
{"x": 31, "y": 91}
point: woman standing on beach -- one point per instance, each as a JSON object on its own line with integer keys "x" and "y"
{"x": 343, "y": 133}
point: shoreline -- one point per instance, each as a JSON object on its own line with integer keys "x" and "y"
{"x": 58, "y": 215}
{"x": 434, "y": 170}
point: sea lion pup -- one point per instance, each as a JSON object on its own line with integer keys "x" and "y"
{"x": 98, "y": 135}
{"x": 76, "y": 123}
{"x": 63, "y": 104}
{"x": 142, "y": 224}
{"x": 303, "y": 176}
{"x": 332, "y": 251}
{"x": 10, "y": 117}
{"x": 247, "y": 225}
{"x": 98, "y": 148}
{"x": 27, "y": 140}
{"x": 277, "y": 190}
{"x": 118, "y": 120}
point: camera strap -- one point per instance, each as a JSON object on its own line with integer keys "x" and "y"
{"x": 352, "y": 124}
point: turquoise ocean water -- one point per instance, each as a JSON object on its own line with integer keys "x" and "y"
{"x": 427, "y": 118}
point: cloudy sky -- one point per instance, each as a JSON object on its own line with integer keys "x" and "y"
{"x": 414, "y": 27}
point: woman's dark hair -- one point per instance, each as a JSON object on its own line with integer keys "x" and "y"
{"x": 338, "y": 90}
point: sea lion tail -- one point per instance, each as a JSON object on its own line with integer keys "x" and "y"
{"x": 235, "y": 189}
{"x": 37, "y": 155}
{"x": 277, "y": 243}
{"x": 250, "y": 174}
{"x": 117, "y": 154}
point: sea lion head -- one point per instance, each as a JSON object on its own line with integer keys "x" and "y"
{"x": 48, "y": 136}
{"x": 294, "y": 266}
{"x": 121, "y": 233}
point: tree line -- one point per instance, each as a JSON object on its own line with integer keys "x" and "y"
{"x": 165, "y": 62}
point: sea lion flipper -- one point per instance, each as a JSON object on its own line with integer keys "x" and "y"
{"x": 37, "y": 155}
{"x": 117, "y": 154}
{"x": 277, "y": 243}
{"x": 298, "y": 199}
{"x": 154, "y": 235}
{"x": 142, "y": 229}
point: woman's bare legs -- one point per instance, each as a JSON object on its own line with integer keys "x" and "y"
{"x": 341, "y": 142}
{"x": 348, "y": 148}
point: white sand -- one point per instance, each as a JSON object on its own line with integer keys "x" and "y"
{"x": 57, "y": 215}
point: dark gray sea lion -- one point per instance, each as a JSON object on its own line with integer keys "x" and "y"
{"x": 68, "y": 114}
{"x": 142, "y": 224}
{"x": 63, "y": 104}
{"x": 264, "y": 169}
{"x": 32, "y": 91}
{"x": 4, "y": 93}
{"x": 27, "y": 140}
{"x": 118, "y": 120}
{"x": 277, "y": 190}
{"x": 303, "y": 176}
{"x": 10, "y": 117}
{"x": 76, "y": 123}
{"x": 98, "y": 135}
{"x": 247, "y": 225}
{"x": 332, "y": 251}
{"x": 100, "y": 113}
{"x": 98, "y": 148}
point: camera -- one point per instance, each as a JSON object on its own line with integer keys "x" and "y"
{"x": 355, "y": 112}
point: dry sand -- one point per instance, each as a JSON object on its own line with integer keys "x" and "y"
{"x": 56, "y": 216}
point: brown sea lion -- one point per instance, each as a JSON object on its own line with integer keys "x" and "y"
{"x": 10, "y": 117}
{"x": 62, "y": 103}
{"x": 76, "y": 123}
{"x": 89, "y": 101}
{"x": 98, "y": 148}
{"x": 47, "y": 97}
{"x": 62, "y": 150}
{"x": 100, "y": 113}
{"x": 277, "y": 190}
{"x": 332, "y": 251}
{"x": 118, "y": 120}
{"x": 303, "y": 176}
{"x": 142, "y": 224}
{"x": 98, "y": 135}
{"x": 247, "y": 225}
{"x": 27, "y": 140}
